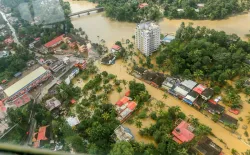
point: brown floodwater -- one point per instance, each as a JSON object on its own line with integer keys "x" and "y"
{"x": 97, "y": 24}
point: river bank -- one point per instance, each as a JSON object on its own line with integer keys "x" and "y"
{"x": 97, "y": 24}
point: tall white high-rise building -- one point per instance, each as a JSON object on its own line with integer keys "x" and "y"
{"x": 147, "y": 37}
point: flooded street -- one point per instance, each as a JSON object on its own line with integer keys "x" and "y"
{"x": 97, "y": 24}
{"x": 111, "y": 31}
{"x": 119, "y": 69}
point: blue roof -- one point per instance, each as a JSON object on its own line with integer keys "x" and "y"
{"x": 18, "y": 74}
{"x": 169, "y": 38}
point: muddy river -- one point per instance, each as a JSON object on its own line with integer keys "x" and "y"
{"x": 97, "y": 24}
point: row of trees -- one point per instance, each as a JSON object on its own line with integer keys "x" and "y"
{"x": 203, "y": 53}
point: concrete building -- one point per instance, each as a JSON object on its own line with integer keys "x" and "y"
{"x": 4, "y": 54}
{"x": 27, "y": 83}
{"x": 147, "y": 37}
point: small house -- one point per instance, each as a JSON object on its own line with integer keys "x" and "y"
{"x": 115, "y": 49}
{"x": 200, "y": 5}
{"x": 168, "y": 39}
{"x": 73, "y": 121}
{"x": 183, "y": 133}
{"x": 139, "y": 71}
{"x": 207, "y": 147}
{"x": 170, "y": 82}
{"x": 108, "y": 59}
{"x": 199, "y": 102}
{"x": 228, "y": 119}
{"x": 199, "y": 89}
{"x": 122, "y": 133}
{"x": 214, "y": 108}
{"x": 40, "y": 136}
{"x": 149, "y": 76}
{"x": 207, "y": 93}
{"x": 181, "y": 91}
{"x": 4, "y": 54}
{"x": 52, "y": 104}
{"x": 157, "y": 82}
{"x": 143, "y": 5}
{"x": 189, "y": 84}
{"x": 191, "y": 97}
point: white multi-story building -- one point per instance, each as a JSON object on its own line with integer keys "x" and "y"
{"x": 147, "y": 37}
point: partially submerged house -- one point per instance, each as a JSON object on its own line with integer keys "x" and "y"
{"x": 199, "y": 89}
{"x": 108, "y": 59}
{"x": 207, "y": 93}
{"x": 53, "y": 43}
{"x": 138, "y": 71}
{"x": 207, "y": 147}
{"x": 183, "y": 133}
{"x": 184, "y": 88}
{"x": 168, "y": 39}
{"x": 199, "y": 102}
{"x": 157, "y": 82}
{"x": 170, "y": 82}
{"x": 191, "y": 97}
{"x": 124, "y": 108}
{"x": 214, "y": 108}
{"x": 115, "y": 49}
{"x": 122, "y": 133}
{"x": 227, "y": 119}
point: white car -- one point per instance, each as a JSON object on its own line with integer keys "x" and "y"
{"x": 218, "y": 99}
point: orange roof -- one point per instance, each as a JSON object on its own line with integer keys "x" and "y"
{"x": 127, "y": 93}
{"x": 122, "y": 101}
{"x": 73, "y": 101}
{"x": 182, "y": 133}
{"x": 116, "y": 47}
{"x": 199, "y": 89}
{"x": 4, "y": 81}
{"x": 54, "y": 41}
{"x": 234, "y": 111}
{"x": 212, "y": 101}
{"x": 41, "y": 133}
{"x": 142, "y": 5}
{"x": 131, "y": 105}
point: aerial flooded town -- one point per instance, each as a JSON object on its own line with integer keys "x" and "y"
{"x": 115, "y": 77}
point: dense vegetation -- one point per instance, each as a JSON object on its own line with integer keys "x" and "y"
{"x": 123, "y": 10}
{"x": 203, "y": 53}
{"x": 14, "y": 63}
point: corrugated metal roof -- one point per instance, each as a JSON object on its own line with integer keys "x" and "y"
{"x": 24, "y": 81}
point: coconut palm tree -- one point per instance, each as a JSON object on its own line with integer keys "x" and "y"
{"x": 165, "y": 96}
{"x": 248, "y": 118}
{"x": 119, "y": 90}
{"x": 182, "y": 151}
{"x": 105, "y": 116}
{"x": 138, "y": 124}
{"x": 234, "y": 152}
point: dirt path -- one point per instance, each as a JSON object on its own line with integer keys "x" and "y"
{"x": 120, "y": 70}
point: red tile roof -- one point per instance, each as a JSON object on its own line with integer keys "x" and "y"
{"x": 127, "y": 93}
{"x": 37, "y": 39}
{"x": 212, "y": 101}
{"x": 41, "y": 133}
{"x": 116, "y": 47}
{"x": 182, "y": 133}
{"x": 122, "y": 101}
{"x": 73, "y": 101}
{"x": 234, "y": 111}
{"x": 142, "y": 5}
{"x": 131, "y": 105}
{"x": 199, "y": 89}
{"x": 8, "y": 41}
{"x": 54, "y": 41}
